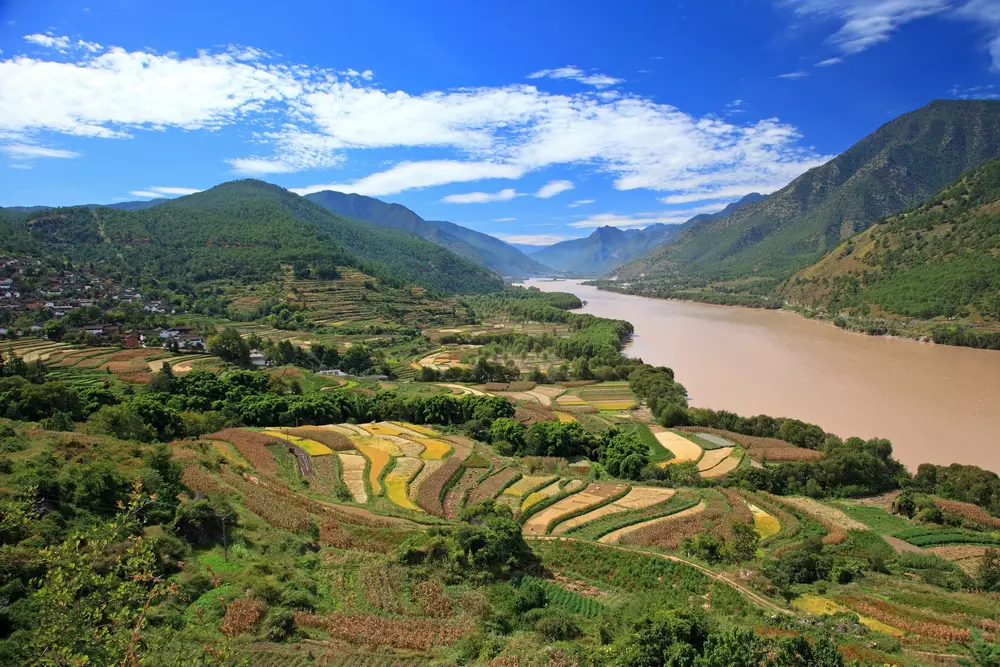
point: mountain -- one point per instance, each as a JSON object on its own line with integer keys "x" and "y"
{"x": 900, "y": 164}
{"x": 609, "y": 247}
{"x": 528, "y": 248}
{"x": 476, "y": 246}
{"x": 133, "y": 205}
{"x": 245, "y": 230}
{"x": 941, "y": 258}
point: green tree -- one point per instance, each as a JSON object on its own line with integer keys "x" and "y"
{"x": 988, "y": 573}
{"x": 229, "y": 346}
{"x": 95, "y": 591}
{"x": 742, "y": 543}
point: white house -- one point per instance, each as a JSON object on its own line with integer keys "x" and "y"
{"x": 257, "y": 358}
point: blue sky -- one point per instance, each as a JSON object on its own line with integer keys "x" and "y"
{"x": 531, "y": 121}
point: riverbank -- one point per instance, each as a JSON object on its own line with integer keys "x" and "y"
{"x": 951, "y": 333}
{"x": 937, "y": 403}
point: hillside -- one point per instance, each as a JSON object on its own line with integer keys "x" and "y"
{"x": 481, "y": 248}
{"x": 609, "y": 247}
{"x": 941, "y": 259}
{"x": 899, "y": 165}
{"x": 246, "y": 230}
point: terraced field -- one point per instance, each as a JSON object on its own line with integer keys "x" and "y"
{"x": 594, "y": 494}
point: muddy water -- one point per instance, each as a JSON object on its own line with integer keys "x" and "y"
{"x": 937, "y": 404}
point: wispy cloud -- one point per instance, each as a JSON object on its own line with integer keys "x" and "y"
{"x": 829, "y": 62}
{"x": 156, "y": 192}
{"x": 576, "y": 74}
{"x": 865, "y": 23}
{"x": 553, "y": 188}
{"x": 533, "y": 239}
{"x": 31, "y": 151}
{"x": 480, "y": 197}
{"x": 581, "y": 202}
{"x": 793, "y": 75}
{"x": 412, "y": 175}
{"x": 504, "y": 219}
{"x": 640, "y": 220}
{"x": 982, "y": 92}
{"x": 987, "y": 14}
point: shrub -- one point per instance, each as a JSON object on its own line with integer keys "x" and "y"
{"x": 279, "y": 625}
{"x": 556, "y": 625}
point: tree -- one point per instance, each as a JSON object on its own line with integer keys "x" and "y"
{"x": 229, "y": 346}
{"x": 742, "y": 544}
{"x": 623, "y": 454}
{"x": 162, "y": 381}
{"x": 738, "y": 647}
{"x": 96, "y": 615}
{"x": 988, "y": 573}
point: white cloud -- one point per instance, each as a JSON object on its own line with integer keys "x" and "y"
{"x": 987, "y": 14}
{"x": 504, "y": 219}
{"x": 156, "y": 192}
{"x": 793, "y": 75}
{"x": 305, "y": 118}
{"x": 533, "y": 239}
{"x": 553, "y": 188}
{"x": 982, "y": 92}
{"x": 48, "y": 41}
{"x": 866, "y": 23}
{"x": 480, "y": 197}
{"x": 410, "y": 175}
{"x": 27, "y": 152}
{"x": 576, "y": 74}
{"x": 639, "y": 220}
{"x": 581, "y": 202}
{"x": 828, "y": 62}
{"x": 20, "y": 165}
{"x": 723, "y": 194}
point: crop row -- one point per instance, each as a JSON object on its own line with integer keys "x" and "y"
{"x": 967, "y": 512}
{"x": 771, "y": 449}
{"x": 430, "y": 495}
{"x": 492, "y": 485}
{"x": 370, "y": 630}
{"x": 252, "y": 446}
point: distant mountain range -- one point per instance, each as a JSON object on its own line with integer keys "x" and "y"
{"x": 481, "y": 248}
{"x": 609, "y": 247}
{"x": 242, "y": 230}
{"x": 900, "y": 164}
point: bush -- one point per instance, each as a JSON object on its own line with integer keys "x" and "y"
{"x": 279, "y": 625}
{"x": 59, "y": 421}
{"x": 557, "y": 625}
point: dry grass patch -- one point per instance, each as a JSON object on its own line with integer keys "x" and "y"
{"x": 714, "y": 457}
{"x": 682, "y": 448}
{"x": 624, "y": 535}
{"x": 335, "y": 440}
{"x": 592, "y": 495}
{"x": 352, "y": 470}
{"x": 565, "y": 417}
{"x": 525, "y": 484}
{"x": 765, "y": 524}
{"x": 252, "y": 446}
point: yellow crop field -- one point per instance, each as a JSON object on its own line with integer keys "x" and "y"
{"x": 397, "y": 482}
{"x": 565, "y": 417}
{"x": 422, "y": 430}
{"x": 815, "y": 604}
{"x": 381, "y": 429}
{"x": 382, "y": 444}
{"x": 434, "y": 449}
{"x": 310, "y": 447}
{"x": 379, "y": 460}
{"x": 526, "y": 483}
{"x": 682, "y": 448}
{"x": 765, "y": 524}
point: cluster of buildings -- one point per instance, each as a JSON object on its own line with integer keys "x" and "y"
{"x": 24, "y": 288}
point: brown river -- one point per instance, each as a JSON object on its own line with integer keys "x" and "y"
{"x": 938, "y": 404}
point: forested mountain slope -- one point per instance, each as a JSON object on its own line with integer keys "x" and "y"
{"x": 609, "y": 247}
{"x": 244, "y": 230}
{"x": 940, "y": 259}
{"x": 899, "y": 165}
{"x": 476, "y": 246}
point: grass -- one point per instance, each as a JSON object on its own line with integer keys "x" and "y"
{"x": 657, "y": 452}
{"x": 876, "y": 518}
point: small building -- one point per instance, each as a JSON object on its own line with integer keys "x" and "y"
{"x": 257, "y": 358}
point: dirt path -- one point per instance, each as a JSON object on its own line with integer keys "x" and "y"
{"x": 754, "y": 597}
{"x": 900, "y": 546}
{"x": 464, "y": 390}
